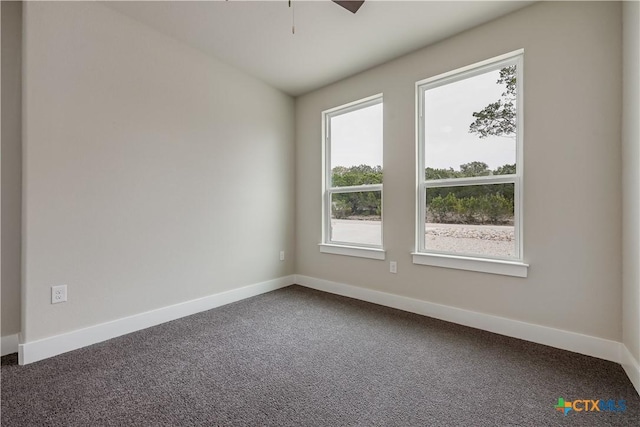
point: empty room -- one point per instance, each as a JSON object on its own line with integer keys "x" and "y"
{"x": 320, "y": 213}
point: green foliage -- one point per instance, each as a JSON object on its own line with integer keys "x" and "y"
{"x": 468, "y": 209}
{"x": 340, "y": 209}
{"x": 469, "y": 204}
{"x": 499, "y": 118}
{"x": 468, "y": 170}
{"x": 508, "y": 77}
{"x": 475, "y": 169}
{"x": 364, "y": 203}
{"x": 431, "y": 173}
{"x": 505, "y": 170}
{"x": 485, "y": 208}
{"x": 496, "y": 208}
{"x": 356, "y": 175}
{"x": 443, "y": 208}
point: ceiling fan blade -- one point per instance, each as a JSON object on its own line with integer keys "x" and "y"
{"x": 351, "y": 6}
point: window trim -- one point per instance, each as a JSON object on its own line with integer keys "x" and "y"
{"x": 514, "y": 266}
{"x": 355, "y": 251}
{"x": 337, "y": 247}
{"x": 469, "y": 263}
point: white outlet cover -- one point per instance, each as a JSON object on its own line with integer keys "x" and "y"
{"x": 58, "y": 294}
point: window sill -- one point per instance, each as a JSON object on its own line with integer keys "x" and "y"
{"x": 493, "y": 266}
{"x": 356, "y": 251}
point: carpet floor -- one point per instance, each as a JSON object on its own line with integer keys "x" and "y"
{"x": 299, "y": 357}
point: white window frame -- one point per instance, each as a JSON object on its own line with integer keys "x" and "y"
{"x": 337, "y": 247}
{"x": 489, "y": 264}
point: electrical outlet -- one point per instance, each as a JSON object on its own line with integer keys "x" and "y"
{"x": 281, "y": 255}
{"x": 58, "y": 294}
{"x": 393, "y": 267}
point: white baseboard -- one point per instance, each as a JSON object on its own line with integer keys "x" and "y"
{"x": 33, "y": 351}
{"x": 565, "y": 340}
{"x": 631, "y": 367}
{"x": 9, "y": 344}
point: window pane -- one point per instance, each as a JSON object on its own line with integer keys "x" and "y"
{"x": 471, "y": 219}
{"x": 356, "y": 218}
{"x": 470, "y": 126}
{"x": 356, "y": 147}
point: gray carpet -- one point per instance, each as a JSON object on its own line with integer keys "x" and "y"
{"x": 298, "y": 357}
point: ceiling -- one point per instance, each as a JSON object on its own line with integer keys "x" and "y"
{"x": 329, "y": 44}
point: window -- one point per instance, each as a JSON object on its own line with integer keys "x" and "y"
{"x": 352, "y": 204}
{"x": 470, "y": 168}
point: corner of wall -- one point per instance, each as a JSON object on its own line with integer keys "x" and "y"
{"x": 11, "y": 168}
{"x": 631, "y": 186}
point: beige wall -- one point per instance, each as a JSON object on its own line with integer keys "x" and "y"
{"x": 130, "y": 140}
{"x": 153, "y": 173}
{"x": 631, "y": 179}
{"x": 572, "y": 207}
{"x": 11, "y": 165}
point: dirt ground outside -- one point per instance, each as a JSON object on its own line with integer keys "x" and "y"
{"x": 493, "y": 240}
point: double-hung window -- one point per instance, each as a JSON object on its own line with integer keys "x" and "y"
{"x": 352, "y": 190}
{"x": 469, "y": 197}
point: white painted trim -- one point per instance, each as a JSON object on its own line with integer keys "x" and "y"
{"x": 33, "y": 351}
{"x": 484, "y": 265}
{"x": 354, "y": 105}
{"x": 631, "y": 366}
{"x": 473, "y": 180}
{"x": 355, "y": 189}
{"x": 328, "y": 190}
{"x": 9, "y": 344}
{"x": 471, "y": 69}
{"x": 512, "y": 58}
{"x": 356, "y": 251}
{"x": 565, "y": 340}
